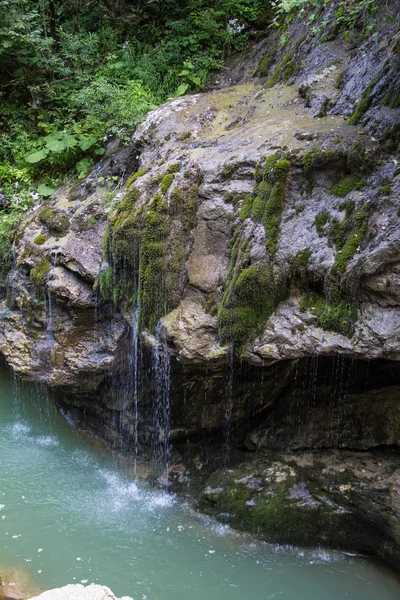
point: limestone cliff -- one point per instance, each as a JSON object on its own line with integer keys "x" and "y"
{"x": 246, "y": 231}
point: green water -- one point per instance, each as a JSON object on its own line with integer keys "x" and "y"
{"x": 70, "y": 513}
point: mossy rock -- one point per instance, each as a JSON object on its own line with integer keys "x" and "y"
{"x": 167, "y": 182}
{"x": 40, "y": 239}
{"x": 56, "y": 222}
{"x": 339, "y": 317}
{"x": 348, "y": 184}
{"x": 39, "y": 273}
{"x": 136, "y": 175}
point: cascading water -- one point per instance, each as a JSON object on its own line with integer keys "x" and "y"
{"x": 162, "y": 411}
{"x": 228, "y": 409}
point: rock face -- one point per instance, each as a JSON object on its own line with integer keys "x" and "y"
{"x": 76, "y": 591}
{"x": 228, "y": 275}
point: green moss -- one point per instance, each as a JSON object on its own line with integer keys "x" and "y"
{"x": 348, "y": 234}
{"x": 366, "y": 100}
{"x": 106, "y": 284}
{"x": 40, "y": 239}
{"x": 186, "y": 135}
{"x": 90, "y": 222}
{"x": 301, "y": 260}
{"x": 347, "y": 184}
{"x": 270, "y": 511}
{"x": 287, "y": 67}
{"x": 145, "y": 250}
{"x": 324, "y": 108}
{"x": 264, "y": 64}
{"x": 39, "y": 272}
{"x": 153, "y": 236}
{"x": 167, "y": 182}
{"x": 56, "y": 223}
{"x": 291, "y": 69}
{"x": 267, "y": 202}
{"x": 275, "y": 173}
{"x": 228, "y": 170}
{"x": 136, "y": 175}
{"x": 339, "y": 80}
{"x": 339, "y": 317}
{"x": 245, "y": 210}
{"x": 247, "y": 305}
{"x": 320, "y": 221}
{"x": 392, "y": 97}
{"x": 174, "y": 168}
{"x": 386, "y": 189}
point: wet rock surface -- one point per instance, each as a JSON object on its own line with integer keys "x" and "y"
{"x": 198, "y": 284}
{"x": 76, "y": 591}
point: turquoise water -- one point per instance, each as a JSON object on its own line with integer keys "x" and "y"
{"x": 70, "y": 512}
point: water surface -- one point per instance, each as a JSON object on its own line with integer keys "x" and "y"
{"x": 70, "y": 512}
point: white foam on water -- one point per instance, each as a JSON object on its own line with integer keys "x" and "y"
{"x": 19, "y": 429}
{"x": 125, "y": 492}
{"x": 48, "y": 441}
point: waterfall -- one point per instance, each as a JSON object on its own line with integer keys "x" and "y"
{"x": 228, "y": 409}
{"x": 135, "y": 374}
{"x": 160, "y": 370}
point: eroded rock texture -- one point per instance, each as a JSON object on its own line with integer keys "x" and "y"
{"x": 245, "y": 245}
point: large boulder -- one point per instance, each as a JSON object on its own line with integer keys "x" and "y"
{"x": 77, "y": 591}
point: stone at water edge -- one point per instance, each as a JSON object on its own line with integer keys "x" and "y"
{"x": 77, "y": 591}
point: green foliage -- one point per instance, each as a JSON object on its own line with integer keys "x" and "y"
{"x": 339, "y": 317}
{"x": 8, "y": 224}
{"x": 349, "y": 15}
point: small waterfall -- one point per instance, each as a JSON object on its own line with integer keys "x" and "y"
{"x": 135, "y": 374}
{"x": 162, "y": 409}
{"x": 228, "y": 409}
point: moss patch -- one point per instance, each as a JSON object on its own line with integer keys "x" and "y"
{"x": 264, "y": 64}
{"x": 348, "y": 234}
{"x": 174, "y": 168}
{"x": 276, "y": 171}
{"x": 39, "y": 273}
{"x": 145, "y": 249}
{"x": 347, "y": 184}
{"x": 339, "y": 317}
{"x": 136, "y": 175}
{"x": 366, "y": 100}
{"x": 40, "y": 239}
{"x": 247, "y": 305}
{"x": 287, "y": 68}
{"x": 56, "y": 223}
{"x": 167, "y": 182}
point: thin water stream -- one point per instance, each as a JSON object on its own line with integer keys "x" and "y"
{"x": 71, "y": 512}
